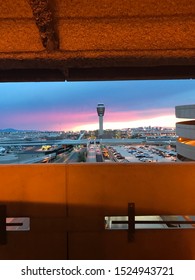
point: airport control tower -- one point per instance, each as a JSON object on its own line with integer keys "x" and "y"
{"x": 100, "y": 111}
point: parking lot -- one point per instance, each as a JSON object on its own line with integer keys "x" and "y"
{"x": 142, "y": 153}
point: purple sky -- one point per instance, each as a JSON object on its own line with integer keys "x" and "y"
{"x": 72, "y": 106}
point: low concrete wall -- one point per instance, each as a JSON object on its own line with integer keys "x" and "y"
{"x": 67, "y": 205}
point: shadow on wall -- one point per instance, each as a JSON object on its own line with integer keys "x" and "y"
{"x": 61, "y": 231}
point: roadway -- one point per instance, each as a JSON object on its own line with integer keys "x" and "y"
{"x": 91, "y": 154}
{"x": 94, "y": 153}
{"x": 22, "y": 142}
{"x": 71, "y": 157}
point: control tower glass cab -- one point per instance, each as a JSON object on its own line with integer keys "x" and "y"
{"x": 100, "y": 111}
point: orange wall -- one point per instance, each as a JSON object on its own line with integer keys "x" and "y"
{"x": 67, "y": 205}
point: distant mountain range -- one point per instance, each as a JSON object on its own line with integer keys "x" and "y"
{"x": 15, "y": 130}
{"x": 8, "y": 130}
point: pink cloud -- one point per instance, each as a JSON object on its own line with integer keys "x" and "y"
{"x": 67, "y": 120}
{"x": 136, "y": 115}
{"x": 49, "y": 120}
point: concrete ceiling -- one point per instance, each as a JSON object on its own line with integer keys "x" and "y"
{"x": 96, "y": 40}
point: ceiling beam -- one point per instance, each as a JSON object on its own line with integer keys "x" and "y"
{"x": 45, "y": 22}
{"x": 32, "y": 75}
{"x": 132, "y": 73}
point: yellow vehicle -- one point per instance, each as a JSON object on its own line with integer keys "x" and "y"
{"x": 46, "y": 147}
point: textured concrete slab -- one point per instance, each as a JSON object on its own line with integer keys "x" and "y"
{"x": 15, "y": 9}
{"x": 131, "y": 34}
{"x": 100, "y": 34}
{"x": 122, "y": 8}
{"x": 19, "y": 36}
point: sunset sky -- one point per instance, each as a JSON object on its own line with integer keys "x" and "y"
{"x": 72, "y": 105}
